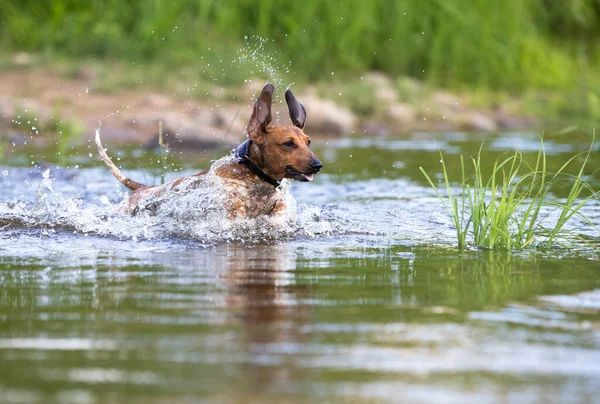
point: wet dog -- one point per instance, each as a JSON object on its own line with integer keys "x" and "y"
{"x": 251, "y": 180}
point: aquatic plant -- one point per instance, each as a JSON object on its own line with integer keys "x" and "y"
{"x": 507, "y": 209}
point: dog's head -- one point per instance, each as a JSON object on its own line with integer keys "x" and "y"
{"x": 282, "y": 150}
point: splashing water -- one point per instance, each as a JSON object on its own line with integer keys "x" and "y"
{"x": 196, "y": 213}
{"x": 264, "y": 63}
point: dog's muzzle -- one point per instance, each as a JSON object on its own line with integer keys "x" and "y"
{"x": 316, "y": 165}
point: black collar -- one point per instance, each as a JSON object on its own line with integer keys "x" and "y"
{"x": 241, "y": 152}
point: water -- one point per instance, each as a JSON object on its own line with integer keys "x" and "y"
{"x": 359, "y": 295}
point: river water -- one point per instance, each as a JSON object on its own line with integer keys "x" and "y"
{"x": 360, "y": 295}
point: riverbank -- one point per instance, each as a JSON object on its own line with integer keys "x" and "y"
{"x": 60, "y": 102}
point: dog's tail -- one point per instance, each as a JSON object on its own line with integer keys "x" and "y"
{"x": 129, "y": 183}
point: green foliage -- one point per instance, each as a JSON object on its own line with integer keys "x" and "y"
{"x": 520, "y": 44}
{"x": 506, "y": 210}
{"x": 573, "y": 19}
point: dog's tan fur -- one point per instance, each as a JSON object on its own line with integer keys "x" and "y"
{"x": 279, "y": 151}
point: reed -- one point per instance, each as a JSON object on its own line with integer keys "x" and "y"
{"x": 508, "y": 209}
{"x": 163, "y": 150}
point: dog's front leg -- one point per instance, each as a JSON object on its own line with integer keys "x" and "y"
{"x": 278, "y": 209}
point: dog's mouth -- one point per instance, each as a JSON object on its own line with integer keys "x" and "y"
{"x": 298, "y": 176}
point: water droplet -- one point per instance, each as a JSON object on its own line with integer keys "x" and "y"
{"x": 87, "y": 90}
{"x": 5, "y": 173}
{"x": 90, "y": 155}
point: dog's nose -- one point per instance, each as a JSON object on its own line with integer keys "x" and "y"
{"x": 316, "y": 165}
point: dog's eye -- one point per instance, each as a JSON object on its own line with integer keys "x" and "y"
{"x": 308, "y": 144}
{"x": 290, "y": 145}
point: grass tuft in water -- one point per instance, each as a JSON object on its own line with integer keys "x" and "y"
{"x": 510, "y": 208}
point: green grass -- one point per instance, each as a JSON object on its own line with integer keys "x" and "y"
{"x": 506, "y": 209}
{"x": 453, "y": 43}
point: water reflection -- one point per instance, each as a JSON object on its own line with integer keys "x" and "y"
{"x": 262, "y": 288}
{"x": 116, "y": 312}
{"x": 290, "y": 319}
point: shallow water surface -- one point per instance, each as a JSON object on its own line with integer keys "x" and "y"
{"x": 361, "y": 295}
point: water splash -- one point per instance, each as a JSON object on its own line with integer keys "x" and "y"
{"x": 266, "y": 64}
{"x": 197, "y": 214}
{"x": 263, "y": 62}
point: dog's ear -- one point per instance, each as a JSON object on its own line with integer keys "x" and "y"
{"x": 261, "y": 115}
{"x": 297, "y": 110}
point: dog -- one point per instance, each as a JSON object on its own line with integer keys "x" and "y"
{"x": 252, "y": 178}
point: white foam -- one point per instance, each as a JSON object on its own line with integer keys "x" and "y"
{"x": 195, "y": 213}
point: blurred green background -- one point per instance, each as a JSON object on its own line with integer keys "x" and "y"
{"x": 511, "y": 46}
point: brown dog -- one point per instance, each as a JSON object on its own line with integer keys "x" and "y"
{"x": 251, "y": 178}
